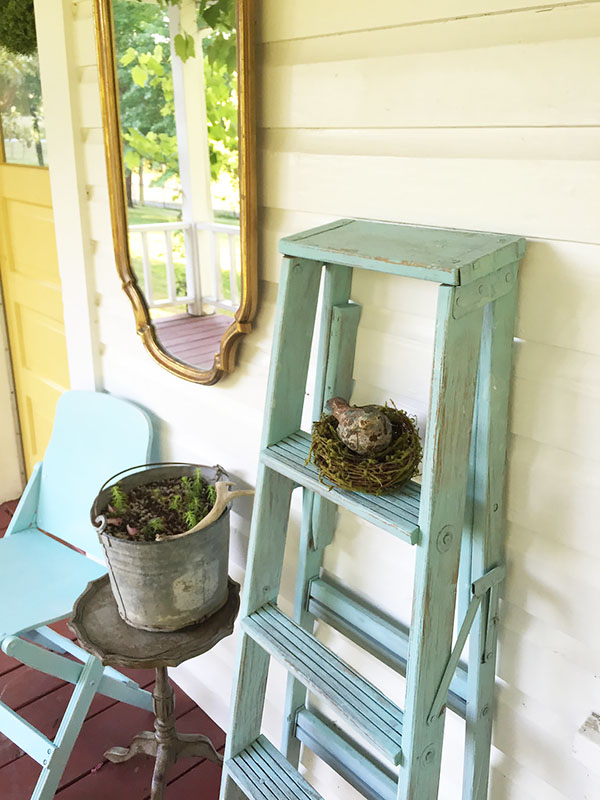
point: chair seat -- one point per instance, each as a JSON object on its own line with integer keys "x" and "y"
{"x": 39, "y": 580}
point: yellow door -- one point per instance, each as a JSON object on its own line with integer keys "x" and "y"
{"x": 33, "y": 302}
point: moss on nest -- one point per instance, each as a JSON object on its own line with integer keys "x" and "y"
{"x": 374, "y": 474}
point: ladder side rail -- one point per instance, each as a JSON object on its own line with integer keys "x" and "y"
{"x": 290, "y": 354}
{"x": 310, "y": 559}
{"x": 443, "y": 494}
{"x": 292, "y": 340}
{"x": 337, "y": 283}
{"x": 488, "y": 542}
{"x": 337, "y": 340}
{"x": 465, "y": 576}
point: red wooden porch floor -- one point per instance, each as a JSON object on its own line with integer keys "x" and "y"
{"x": 193, "y": 340}
{"x": 41, "y": 700}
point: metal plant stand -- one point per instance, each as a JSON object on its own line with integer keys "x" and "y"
{"x": 101, "y": 631}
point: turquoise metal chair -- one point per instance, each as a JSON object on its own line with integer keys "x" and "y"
{"x": 94, "y": 436}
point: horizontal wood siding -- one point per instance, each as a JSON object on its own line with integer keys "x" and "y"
{"x": 480, "y": 114}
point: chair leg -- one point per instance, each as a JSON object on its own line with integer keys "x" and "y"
{"x": 59, "y": 644}
{"x": 38, "y": 636}
{"x": 113, "y": 684}
{"x": 68, "y": 731}
{"x": 129, "y": 693}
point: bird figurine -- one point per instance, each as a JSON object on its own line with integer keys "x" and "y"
{"x": 364, "y": 429}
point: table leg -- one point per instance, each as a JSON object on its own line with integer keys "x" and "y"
{"x": 166, "y": 735}
{"x": 165, "y": 744}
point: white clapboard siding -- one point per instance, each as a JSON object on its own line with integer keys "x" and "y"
{"x": 85, "y": 41}
{"x": 552, "y": 491}
{"x": 560, "y": 608}
{"x": 560, "y": 143}
{"x": 544, "y": 634}
{"x": 496, "y": 195}
{"x": 521, "y": 785}
{"x": 558, "y": 295}
{"x": 288, "y": 19}
{"x": 474, "y": 33}
{"x": 558, "y": 367}
{"x": 83, "y": 10}
{"x": 455, "y": 88}
{"x": 89, "y": 98}
{"x": 95, "y": 165}
{"x": 536, "y": 407}
{"x": 545, "y": 750}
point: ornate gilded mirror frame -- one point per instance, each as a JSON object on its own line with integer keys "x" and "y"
{"x": 225, "y": 358}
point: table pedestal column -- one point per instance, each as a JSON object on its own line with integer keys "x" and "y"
{"x": 164, "y": 743}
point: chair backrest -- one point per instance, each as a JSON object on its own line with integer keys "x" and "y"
{"x": 94, "y": 436}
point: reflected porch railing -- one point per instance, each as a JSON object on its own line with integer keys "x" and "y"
{"x": 174, "y": 261}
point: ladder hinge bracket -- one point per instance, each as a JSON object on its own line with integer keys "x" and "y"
{"x": 487, "y": 583}
{"x": 480, "y": 292}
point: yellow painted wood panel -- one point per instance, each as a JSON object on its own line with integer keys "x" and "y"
{"x": 33, "y": 300}
{"x": 30, "y": 184}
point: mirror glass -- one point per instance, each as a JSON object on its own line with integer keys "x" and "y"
{"x": 176, "y": 90}
{"x": 21, "y": 109}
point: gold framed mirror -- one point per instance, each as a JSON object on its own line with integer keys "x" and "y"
{"x": 175, "y": 99}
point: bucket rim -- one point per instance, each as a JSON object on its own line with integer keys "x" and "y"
{"x": 99, "y": 520}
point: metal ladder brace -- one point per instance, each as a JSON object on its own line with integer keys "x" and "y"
{"x": 455, "y": 520}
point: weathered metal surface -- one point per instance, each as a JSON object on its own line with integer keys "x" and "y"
{"x": 483, "y": 291}
{"x": 178, "y": 581}
{"x": 104, "y": 634}
{"x": 101, "y": 631}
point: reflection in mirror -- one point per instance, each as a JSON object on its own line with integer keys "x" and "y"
{"x": 21, "y": 109}
{"x": 190, "y": 272}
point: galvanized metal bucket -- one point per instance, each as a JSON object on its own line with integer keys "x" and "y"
{"x": 173, "y": 583}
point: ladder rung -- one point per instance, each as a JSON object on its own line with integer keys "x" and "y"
{"x": 262, "y": 773}
{"x": 397, "y": 512}
{"x": 357, "y": 766}
{"x": 376, "y": 633}
{"x": 323, "y": 673}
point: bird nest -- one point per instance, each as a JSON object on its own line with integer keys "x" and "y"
{"x": 373, "y": 474}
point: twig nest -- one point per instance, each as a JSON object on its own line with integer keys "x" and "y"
{"x": 373, "y": 473}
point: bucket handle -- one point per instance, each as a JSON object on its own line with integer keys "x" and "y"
{"x": 100, "y": 519}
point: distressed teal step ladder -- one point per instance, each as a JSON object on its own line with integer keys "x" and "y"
{"x": 454, "y": 519}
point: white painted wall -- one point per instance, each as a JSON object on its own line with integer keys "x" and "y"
{"x": 478, "y": 114}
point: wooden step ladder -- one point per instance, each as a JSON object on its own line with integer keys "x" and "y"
{"x": 455, "y": 519}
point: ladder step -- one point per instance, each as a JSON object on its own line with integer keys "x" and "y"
{"x": 378, "y": 634}
{"x": 355, "y": 764}
{"x": 262, "y": 773}
{"x": 323, "y": 673}
{"x": 397, "y": 512}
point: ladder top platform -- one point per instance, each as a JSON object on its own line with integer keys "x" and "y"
{"x": 443, "y": 255}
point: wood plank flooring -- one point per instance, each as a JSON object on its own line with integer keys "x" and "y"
{"x": 193, "y": 340}
{"x": 41, "y": 700}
